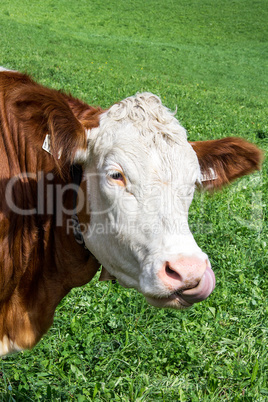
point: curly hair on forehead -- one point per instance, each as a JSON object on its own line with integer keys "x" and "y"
{"x": 147, "y": 113}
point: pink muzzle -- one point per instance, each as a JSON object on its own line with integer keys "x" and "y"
{"x": 190, "y": 278}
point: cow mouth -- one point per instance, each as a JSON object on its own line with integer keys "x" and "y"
{"x": 199, "y": 293}
{"x": 187, "y": 297}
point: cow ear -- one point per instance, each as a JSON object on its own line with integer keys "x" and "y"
{"x": 89, "y": 117}
{"x": 43, "y": 111}
{"x": 224, "y": 160}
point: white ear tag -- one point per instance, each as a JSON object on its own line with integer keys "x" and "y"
{"x": 46, "y": 144}
{"x": 47, "y": 147}
{"x": 209, "y": 175}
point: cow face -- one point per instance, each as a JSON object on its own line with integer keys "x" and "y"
{"x": 141, "y": 174}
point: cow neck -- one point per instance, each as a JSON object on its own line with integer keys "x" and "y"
{"x": 76, "y": 172}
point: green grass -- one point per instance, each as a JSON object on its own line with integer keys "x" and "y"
{"x": 208, "y": 58}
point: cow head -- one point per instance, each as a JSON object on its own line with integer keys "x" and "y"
{"x": 140, "y": 178}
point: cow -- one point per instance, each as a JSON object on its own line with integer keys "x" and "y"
{"x": 82, "y": 187}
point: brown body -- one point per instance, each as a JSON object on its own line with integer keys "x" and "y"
{"x": 39, "y": 262}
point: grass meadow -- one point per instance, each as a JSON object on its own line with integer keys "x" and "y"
{"x": 208, "y": 58}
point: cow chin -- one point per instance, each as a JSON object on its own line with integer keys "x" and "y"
{"x": 174, "y": 301}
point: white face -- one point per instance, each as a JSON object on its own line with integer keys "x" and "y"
{"x": 141, "y": 176}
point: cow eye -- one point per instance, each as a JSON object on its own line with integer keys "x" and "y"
{"x": 118, "y": 177}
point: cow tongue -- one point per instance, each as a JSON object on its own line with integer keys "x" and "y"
{"x": 200, "y": 292}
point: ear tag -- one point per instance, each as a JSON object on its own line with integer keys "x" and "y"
{"x": 209, "y": 175}
{"x": 47, "y": 146}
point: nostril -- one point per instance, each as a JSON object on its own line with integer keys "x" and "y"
{"x": 171, "y": 273}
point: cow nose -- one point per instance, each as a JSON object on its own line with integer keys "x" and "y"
{"x": 183, "y": 273}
